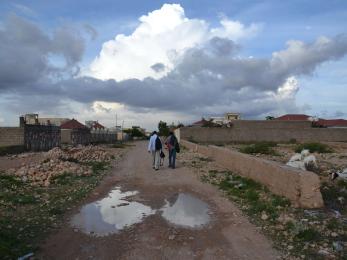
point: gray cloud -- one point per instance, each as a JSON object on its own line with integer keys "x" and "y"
{"x": 91, "y": 31}
{"x": 26, "y": 54}
{"x": 158, "y": 67}
{"x": 339, "y": 114}
{"x": 207, "y": 79}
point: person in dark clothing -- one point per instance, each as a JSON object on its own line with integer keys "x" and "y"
{"x": 171, "y": 143}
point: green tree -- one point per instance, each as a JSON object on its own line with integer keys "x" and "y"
{"x": 163, "y": 128}
{"x": 134, "y": 132}
{"x": 269, "y": 118}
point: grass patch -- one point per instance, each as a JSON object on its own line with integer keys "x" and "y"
{"x": 259, "y": 148}
{"x": 247, "y": 192}
{"x": 28, "y": 213}
{"x": 287, "y": 226}
{"x": 98, "y": 167}
{"x": 333, "y": 224}
{"x": 121, "y": 146}
{"x": 331, "y": 195}
{"x": 278, "y": 201}
{"x": 308, "y": 235}
{"x": 313, "y": 147}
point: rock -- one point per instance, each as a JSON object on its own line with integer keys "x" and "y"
{"x": 337, "y": 245}
{"x": 264, "y": 216}
{"x": 280, "y": 227}
{"x": 172, "y": 237}
{"x": 334, "y": 234}
{"x": 341, "y": 200}
{"x": 323, "y": 252}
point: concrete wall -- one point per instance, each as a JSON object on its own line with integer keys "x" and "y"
{"x": 266, "y": 124}
{"x": 11, "y": 136}
{"x": 66, "y": 136}
{"x": 262, "y": 131}
{"x": 302, "y": 188}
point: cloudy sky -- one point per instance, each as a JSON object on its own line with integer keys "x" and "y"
{"x": 174, "y": 61}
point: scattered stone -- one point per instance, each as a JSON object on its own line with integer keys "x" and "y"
{"x": 337, "y": 245}
{"x": 323, "y": 252}
{"x": 264, "y": 216}
{"x": 172, "y": 237}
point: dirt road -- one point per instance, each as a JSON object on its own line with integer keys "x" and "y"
{"x": 173, "y": 216}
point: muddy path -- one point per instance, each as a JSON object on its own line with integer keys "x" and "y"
{"x": 165, "y": 214}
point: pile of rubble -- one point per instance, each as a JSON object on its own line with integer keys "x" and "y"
{"x": 81, "y": 154}
{"x": 42, "y": 174}
{"x": 58, "y": 162}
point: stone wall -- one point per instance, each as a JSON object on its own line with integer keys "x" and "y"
{"x": 262, "y": 131}
{"x": 11, "y": 136}
{"x": 302, "y": 188}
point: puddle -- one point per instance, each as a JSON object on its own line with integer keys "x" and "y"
{"x": 111, "y": 214}
{"x": 186, "y": 210}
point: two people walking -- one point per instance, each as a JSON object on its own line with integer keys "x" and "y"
{"x": 155, "y": 146}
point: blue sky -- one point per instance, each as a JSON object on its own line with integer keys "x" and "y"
{"x": 321, "y": 92}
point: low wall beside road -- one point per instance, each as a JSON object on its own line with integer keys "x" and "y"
{"x": 254, "y": 131}
{"x": 302, "y": 188}
{"x": 11, "y": 136}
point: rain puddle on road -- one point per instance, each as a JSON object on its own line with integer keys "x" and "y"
{"x": 110, "y": 214}
{"x": 186, "y": 211}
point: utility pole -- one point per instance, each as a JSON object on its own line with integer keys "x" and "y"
{"x": 116, "y": 121}
{"x": 122, "y": 129}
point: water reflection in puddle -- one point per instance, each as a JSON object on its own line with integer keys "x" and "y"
{"x": 186, "y": 210}
{"x": 110, "y": 214}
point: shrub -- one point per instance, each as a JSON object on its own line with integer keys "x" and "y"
{"x": 292, "y": 141}
{"x": 308, "y": 235}
{"x": 262, "y": 147}
{"x": 313, "y": 147}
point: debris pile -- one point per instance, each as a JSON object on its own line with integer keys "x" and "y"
{"x": 58, "y": 162}
{"x": 81, "y": 154}
{"x": 43, "y": 173}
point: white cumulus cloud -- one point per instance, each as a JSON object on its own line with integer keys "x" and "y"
{"x": 161, "y": 38}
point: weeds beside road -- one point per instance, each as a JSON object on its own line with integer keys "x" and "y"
{"x": 29, "y": 212}
{"x": 298, "y": 233}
